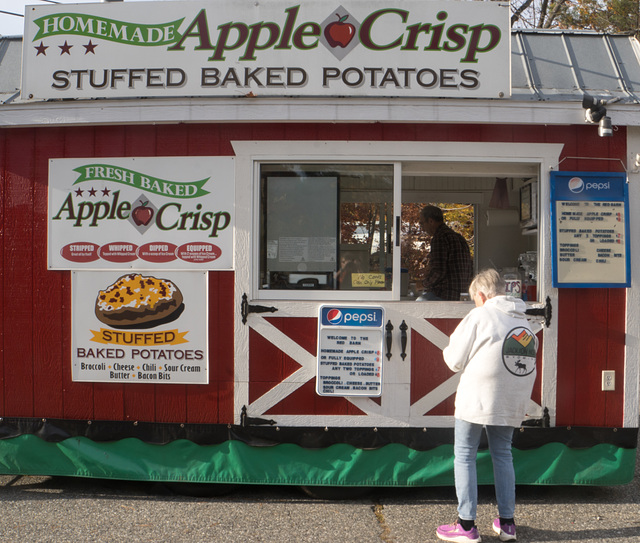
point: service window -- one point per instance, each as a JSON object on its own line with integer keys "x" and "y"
{"x": 416, "y": 242}
{"x": 350, "y": 231}
{"x": 326, "y": 227}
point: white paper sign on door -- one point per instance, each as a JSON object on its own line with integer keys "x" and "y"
{"x": 350, "y": 343}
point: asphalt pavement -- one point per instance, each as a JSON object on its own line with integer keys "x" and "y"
{"x": 63, "y": 509}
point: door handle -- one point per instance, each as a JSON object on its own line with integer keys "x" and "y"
{"x": 403, "y": 339}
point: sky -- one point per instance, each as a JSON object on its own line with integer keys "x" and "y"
{"x": 11, "y": 25}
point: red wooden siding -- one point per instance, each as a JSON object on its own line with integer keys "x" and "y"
{"x": 35, "y": 304}
{"x": 268, "y": 366}
{"x": 3, "y": 182}
{"x": 19, "y": 301}
{"x": 428, "y": 370}
{"x": 591, "y": 336}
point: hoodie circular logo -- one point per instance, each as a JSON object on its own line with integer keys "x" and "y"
{"x": 334, "y": 316}
{"x": 576, "y": 185}
{"x": 519, "y": 352}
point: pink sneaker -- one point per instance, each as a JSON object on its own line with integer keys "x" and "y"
{"x": 507, "y": 532}
{"x": 457, "y": 534}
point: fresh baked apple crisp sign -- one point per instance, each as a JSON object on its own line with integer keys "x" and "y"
{"x": 412, "y": 48}
{"x": 141, "y": 213}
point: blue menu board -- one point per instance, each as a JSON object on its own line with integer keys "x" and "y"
{"x": 590, "y": 229}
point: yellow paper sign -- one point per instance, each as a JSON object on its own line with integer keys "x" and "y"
{"x": 367, "y": 280}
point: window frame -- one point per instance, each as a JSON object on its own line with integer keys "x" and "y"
{"x": 322, "y": 294}
{"x": 437, "y": 158}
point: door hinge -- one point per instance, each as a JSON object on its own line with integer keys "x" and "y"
{"x": 246, "y": 420}
{"x": 544, "y": 312}
{"x": 544, "y": 422}
{"x": 247, "y": 308}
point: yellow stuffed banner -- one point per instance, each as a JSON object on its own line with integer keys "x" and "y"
{"x": 139, "y": 339}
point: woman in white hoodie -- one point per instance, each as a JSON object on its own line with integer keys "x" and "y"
{"x": 495, "y": 351}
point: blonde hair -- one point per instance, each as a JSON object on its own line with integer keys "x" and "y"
{"x": 489, "y": 282}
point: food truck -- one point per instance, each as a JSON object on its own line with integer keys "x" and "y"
{"x": 210, "y": 257}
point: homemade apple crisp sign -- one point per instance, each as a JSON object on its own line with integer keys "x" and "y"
{"x": 380, "y": 48}
{"x": 141, "y": 213}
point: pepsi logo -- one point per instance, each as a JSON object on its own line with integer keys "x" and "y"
{"x": 576, "y": 185}
{"x": 352, "y": 316}
{"x": 334, "y": 316}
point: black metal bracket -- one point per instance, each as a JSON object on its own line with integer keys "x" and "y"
{"x": 246, "y": 420}
{"x": 544, "y": 422}
{"x": 544, "y": 312}
{"x": 247, "y": 308}
{"x": 389, "y": 338}
{"x": 403, "y": 339}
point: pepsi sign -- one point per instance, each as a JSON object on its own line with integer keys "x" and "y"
{"x": 590, "y": 230}
{"x": 592, "y": 186}
{"x": 351, "y": 316}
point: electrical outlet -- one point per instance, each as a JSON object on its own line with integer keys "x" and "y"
{"x": 608, "y": 380}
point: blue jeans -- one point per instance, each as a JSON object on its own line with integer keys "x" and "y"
{"x": 467, "y": 439}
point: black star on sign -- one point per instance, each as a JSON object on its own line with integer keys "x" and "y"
{"x": 89, "y": 48}
{"x": 79, "y": 192}
{"x": 105, "y": 192}
{"x": 92, "y": 192}
{"x": 42, "y": 49}
{"x": 66, "y": 48}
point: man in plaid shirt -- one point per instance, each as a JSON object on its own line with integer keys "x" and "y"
{"x": 449, "y": 265}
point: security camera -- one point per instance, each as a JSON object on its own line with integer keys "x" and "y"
{"x": 589, "y": 101}
{"x": 595, "y": 109}
{"x": 604, "y": 127}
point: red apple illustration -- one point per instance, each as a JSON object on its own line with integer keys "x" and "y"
{"x": 142, "y": 214}
{"x": 339, "y": 32}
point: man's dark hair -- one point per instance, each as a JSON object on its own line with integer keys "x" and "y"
{"x": 432, "y": 212}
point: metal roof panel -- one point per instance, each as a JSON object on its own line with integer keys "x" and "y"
{"x": 547, "y": 65}
{"x": 627, "y": 51}
{"x": 564, "y": 65}
{"x": 10, "y": 63}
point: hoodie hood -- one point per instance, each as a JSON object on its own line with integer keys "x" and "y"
{"x": 514, "y": 307}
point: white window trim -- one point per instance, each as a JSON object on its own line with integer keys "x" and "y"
{"x": 450, "y": 155}
{"x": 438, "y": 156}
{"x": 318, "y": 295}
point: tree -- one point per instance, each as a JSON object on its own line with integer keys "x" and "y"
{"x": 361, "y": 225}
{"x": 609, "y": 16}
{"x": 536, "y": 13}
{"x": 599, "y": 15}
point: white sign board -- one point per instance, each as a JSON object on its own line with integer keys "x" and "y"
{"x": 145, "y": 327}
{"x": 591, "y": 242}
{"x": 350, "y": 343}
{"x": 141, "y": 213}
{"x": 590, "y": 235}
{"x": 240, "y": 48}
